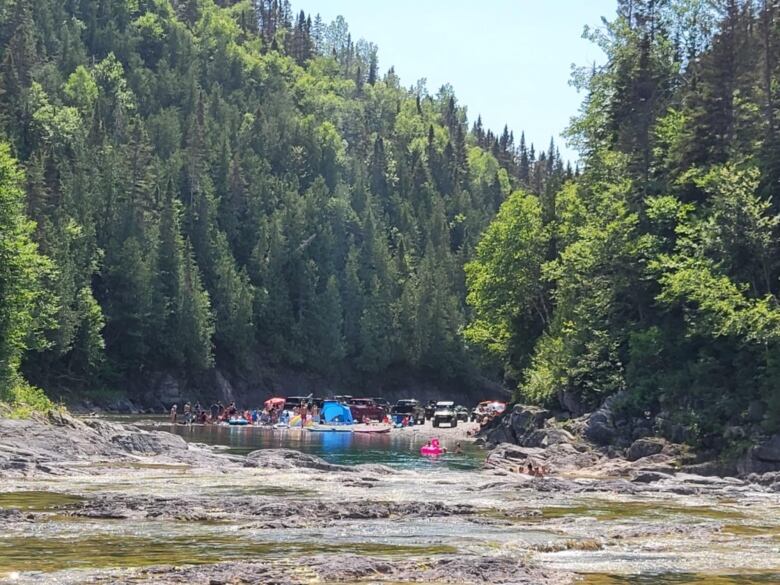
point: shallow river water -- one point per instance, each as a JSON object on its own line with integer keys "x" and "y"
{"x": 607, "y": 539}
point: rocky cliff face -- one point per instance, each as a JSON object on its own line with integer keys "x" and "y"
{"x": 156, "y": 392}
{"x": 584, "y": 441}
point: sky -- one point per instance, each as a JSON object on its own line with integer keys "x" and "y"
{"x": 508, "y": 60}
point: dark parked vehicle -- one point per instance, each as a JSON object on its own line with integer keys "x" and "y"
{"x": 430, "y": 408}
{"x": 462, "y": 413}
{"x": 363, "y": 408}
{"x": 294, "y": 401}
{"x": 409, "y": 407}
{"x": 445, "y": 413}
{"x": 384, "y": 403}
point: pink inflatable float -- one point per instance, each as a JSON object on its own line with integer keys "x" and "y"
{"x": 432, "y": 448}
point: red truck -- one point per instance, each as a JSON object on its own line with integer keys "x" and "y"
{"x": 366, "y": 408}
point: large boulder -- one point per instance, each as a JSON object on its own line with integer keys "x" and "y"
{"x": 769, "y": 451}
{"x": 600, "y": 426}
{"x": 546, "y": 437}
{"x": 290, "y": 459}
{"x": 645, "y": 447}
{"x": 517, "y": 425}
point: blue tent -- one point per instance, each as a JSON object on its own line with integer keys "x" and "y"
{"x": 335, "y": 412}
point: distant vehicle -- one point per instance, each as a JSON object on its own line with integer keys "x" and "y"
{"x": 343, "y": 398}
{"x": 409, "y": 407}
{"x": 445, "y": 413}
{"x": 363, "y": 408}
{"x": 462, "y": 413}
{"x": 294, "y": 401}
{"x": 487, "y": 409}
{"x": 384, "y": 403}
{"x": 430, "y": 408}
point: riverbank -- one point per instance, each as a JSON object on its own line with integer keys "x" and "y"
{"x": 100, "y": 502}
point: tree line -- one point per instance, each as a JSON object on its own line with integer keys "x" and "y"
{"x": 197, "y": 183}
{"x": 653, "y": 275}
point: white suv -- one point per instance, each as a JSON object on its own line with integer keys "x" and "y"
{"x": 445, "y": 413}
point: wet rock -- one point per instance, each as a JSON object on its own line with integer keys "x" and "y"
{"x": 651, "y": 476}
{"x": 61, "y": 444}
{"x": 258, "y": 511}
{"x": 290, "y": 459}
{"x": 645, "y": 447}
{"x": 556, "y": 458}
{"x": 342, "y": 568}
{"x": 149, "y": 443}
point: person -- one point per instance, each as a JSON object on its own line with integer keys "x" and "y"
{"x": 458, "y": 449}
{"x": 214, "y": 412}
{"x": 173, "y": 413}
{"x": 187, "y": 413}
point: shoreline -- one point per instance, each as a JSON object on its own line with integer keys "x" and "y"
{"x": 154, "y": 484}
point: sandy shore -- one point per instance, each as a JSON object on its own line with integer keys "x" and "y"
{"x": 445, "y": 433}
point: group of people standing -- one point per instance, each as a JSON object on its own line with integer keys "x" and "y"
{"x": 197, "y": 414}
{"x": 218, "y": 413}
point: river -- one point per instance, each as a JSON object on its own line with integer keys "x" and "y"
{"x": 729, "y": 537}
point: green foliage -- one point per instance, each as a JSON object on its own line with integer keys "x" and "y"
{"x": 225, "y": 183}
{"x": 24, "y": 304}
{"x": 660, "y": 266}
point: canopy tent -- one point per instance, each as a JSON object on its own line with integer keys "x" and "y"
{"x": 274, "y": 403}
{"x": 335, "y": 412}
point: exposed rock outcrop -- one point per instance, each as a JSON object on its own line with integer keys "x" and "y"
{"x": 645, "y": 447}
{"x": 61, "y": 444}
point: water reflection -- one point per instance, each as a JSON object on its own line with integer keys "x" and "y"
{"x": 400, "y": 448}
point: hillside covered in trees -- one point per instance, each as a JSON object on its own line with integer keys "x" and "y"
{"x": 654, "y": 276}
{"x": 193, "y": 184}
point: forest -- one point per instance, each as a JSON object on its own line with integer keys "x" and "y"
{"x": 189, "y": 185}
{"x": 653, "y": 277}
{"x": 197, "y": 184}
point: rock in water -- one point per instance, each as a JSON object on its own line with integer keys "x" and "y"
{"x": 290, "y": 459}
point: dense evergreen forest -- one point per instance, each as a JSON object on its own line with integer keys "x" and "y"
{"x": 654, "y": 276}
{"x": 194, "y": 184}
{"x": 190, "y": 184}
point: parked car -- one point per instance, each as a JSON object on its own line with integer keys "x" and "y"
{"x": 363, "y": 408}
{"x": 343, "y": 398}
{"x": 384, "y": 403}
{"x": 409, "y": 407}
{"x": 294, "y": 401}
{"x": 462, "y": 413}
{"x": 430, "y": 408}
{"x": 445, "y": 413}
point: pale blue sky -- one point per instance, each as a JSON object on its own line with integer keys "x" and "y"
{"x": 509, "y": 60}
